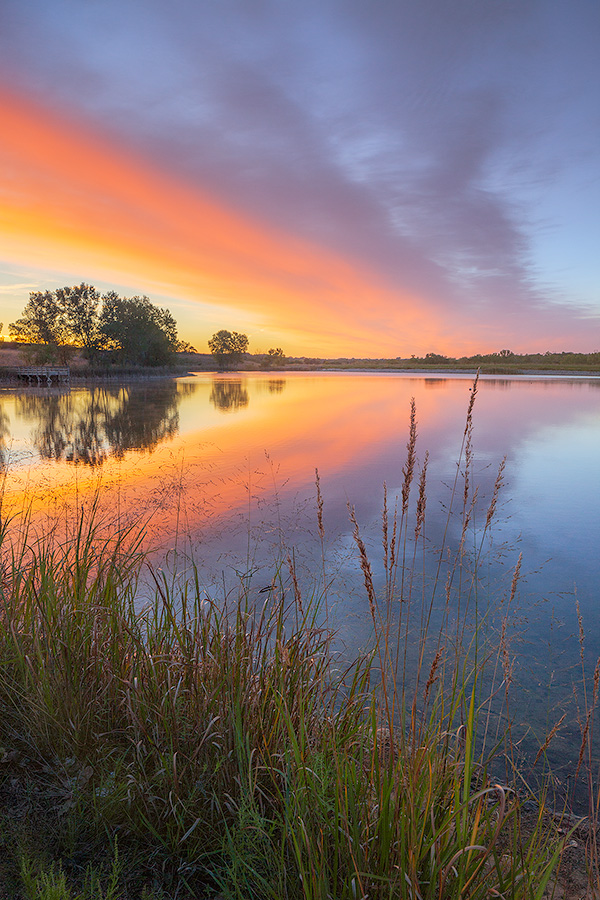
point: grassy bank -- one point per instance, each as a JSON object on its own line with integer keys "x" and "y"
{"x": 486, "y": 363}
{"x": 505, "y": 363}
{"x": 224, "y": 747}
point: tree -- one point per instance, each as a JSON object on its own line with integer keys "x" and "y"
{"x": 228, "y": 347}
{"x": 505, "y": 353}
{"x": 43, "y": 323}
{"x": 80, "y": 310}
{"x": 185, "y": 347}
{"x": 135, "y": 331}
{"x": 273, "y": 358}
{"x": 132, "y": 330}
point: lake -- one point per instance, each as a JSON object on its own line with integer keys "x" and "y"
{"x": 222, "y": 468}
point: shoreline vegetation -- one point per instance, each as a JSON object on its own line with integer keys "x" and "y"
{"x": 224, "y": 747}
{"x": 105, "y": 336}
{"x": 13, "y": 354}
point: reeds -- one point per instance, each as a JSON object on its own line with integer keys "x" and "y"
{"x": 231, "y": 748}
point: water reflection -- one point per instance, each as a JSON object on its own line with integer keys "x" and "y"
{"x": 213, "y": 482}
{"x": 228, "y": 395}
{"x": 87, "y": 427}
{"x": 4, "y": 437}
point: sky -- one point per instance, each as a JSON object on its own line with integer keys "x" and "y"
{"x": 366, "y": 178}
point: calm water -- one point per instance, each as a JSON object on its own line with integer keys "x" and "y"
{"x": 224, "y": 467}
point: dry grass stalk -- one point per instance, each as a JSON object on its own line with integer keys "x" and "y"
{"x": 384, "y": 530}
{"x": 495, "y": 493}
{"x": 408, "y": 469}
{"x": 319, "y": 505}
{"x": 581, "y": 631}
{"x": 365, "y": 565}
{"x": 507, "y": 662}
{"x": 591, "y": 707}
{"x": 469, "y": 420}
{"x": 468, "y": 515}
{"x": 394, "y": 538}
{"x": 515, "y": 579}
{"x": 549, "y": 737}
{"x": 422, "y": 499}
{"x": 294, "y": 577}
{"x": 433, "y": 673}
{"x": 468, "y": 463}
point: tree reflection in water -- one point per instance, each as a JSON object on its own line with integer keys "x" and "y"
{"x": 87, "y": 427}
{"x": 228, "y": 396}
{"x": 4, "y": 436}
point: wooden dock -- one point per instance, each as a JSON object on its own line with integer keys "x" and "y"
{"x": 60, "y": 374}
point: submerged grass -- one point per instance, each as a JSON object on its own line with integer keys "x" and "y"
{"x": 196, "y": 748}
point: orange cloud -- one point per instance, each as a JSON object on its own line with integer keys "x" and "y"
{"x": 73, "y": 201}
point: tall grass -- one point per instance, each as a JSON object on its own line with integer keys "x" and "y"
{"x": 229, "y": 745}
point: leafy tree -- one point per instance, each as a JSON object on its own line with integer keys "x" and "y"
{"x": 274, "y": 357}
{"x": 505, "y": 353}
{"x": 44, "y": 323}
{"x": 185, "y": 347}
{"x": 135, "y": 331}
{"x": 228, "y": 347}
{"x": 80, "y": 309}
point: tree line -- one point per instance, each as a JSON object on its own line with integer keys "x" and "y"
{"x": 230, "y": 347}
{"x": 106, "y": 328}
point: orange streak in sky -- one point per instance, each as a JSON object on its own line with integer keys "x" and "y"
{"x": 74, "y": 201}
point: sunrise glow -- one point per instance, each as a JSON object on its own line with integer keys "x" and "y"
{"x": 397, "y": 203}
{"x": 78, "y": 202}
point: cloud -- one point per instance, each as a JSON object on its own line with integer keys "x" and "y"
{"x": 73, "y": 194}
{"x": 24, "y": 286}
{"x": 413, "y": 141}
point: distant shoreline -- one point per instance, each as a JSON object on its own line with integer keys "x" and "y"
{"x": 560, "y": 364}
{"x": 81, "y": 379}
{"x": 395, "y": 370}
